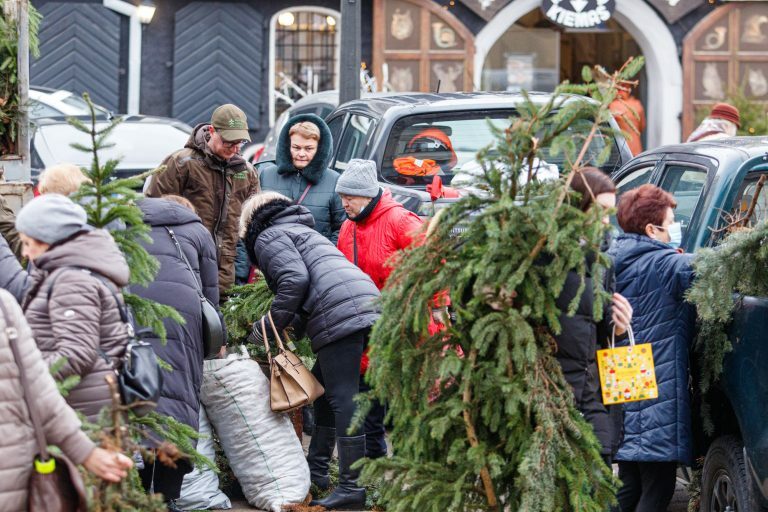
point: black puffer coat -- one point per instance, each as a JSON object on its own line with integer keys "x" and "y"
{"x": 174, "y": 286}
{"x": 577, "y": 344}
{"x": 317, "y": 290}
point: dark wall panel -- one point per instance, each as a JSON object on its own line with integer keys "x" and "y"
{"x": 80, "y": 51}
{"x": 216, "y": 60}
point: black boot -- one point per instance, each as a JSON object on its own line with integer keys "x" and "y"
{"x": 347, "y": 495}
{"x": 319, "y": 456}
{"x": 172, "y": 506}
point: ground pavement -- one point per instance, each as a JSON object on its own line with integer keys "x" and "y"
{"x": 679, "y": 502}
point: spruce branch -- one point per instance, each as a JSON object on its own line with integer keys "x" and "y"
{"x": 485, "y": 475}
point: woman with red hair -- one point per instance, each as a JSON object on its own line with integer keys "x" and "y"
{"x": 654, "y": 275}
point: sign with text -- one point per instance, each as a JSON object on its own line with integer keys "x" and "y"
{"x": 578, "y": 14}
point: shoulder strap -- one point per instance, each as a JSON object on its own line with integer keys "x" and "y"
{"x": 304, "y": 194}
{"x": 183, "y": 257}
{"x": 37, "y": 425}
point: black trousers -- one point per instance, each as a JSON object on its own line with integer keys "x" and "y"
{"x": 338, "y": 369}
{"x": 165, "y": 480}
{"x": 646, "y": 486}
{"x": 375, "y": 442}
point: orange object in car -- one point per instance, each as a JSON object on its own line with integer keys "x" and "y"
{"x": 434, "y": 140}
{"x": 411, "y": 166}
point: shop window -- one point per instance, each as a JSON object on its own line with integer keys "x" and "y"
{"x": 726, "y": 51}
{"x": 418, "y": 44}
{"x": 304, "y": 48}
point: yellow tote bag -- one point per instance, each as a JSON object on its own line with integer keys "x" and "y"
{"x": 627, "y": 374}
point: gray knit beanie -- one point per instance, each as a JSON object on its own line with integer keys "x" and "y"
{"x": 359, "y": 179}
{"x": 50, "y": 218}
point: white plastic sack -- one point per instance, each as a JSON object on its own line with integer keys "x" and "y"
{"x": 200, "y": 490}
{"x": 263, "y": 450}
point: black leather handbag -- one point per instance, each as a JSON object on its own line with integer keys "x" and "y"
{"x": 213, "y": 327}
{"x": 140, "y": 378}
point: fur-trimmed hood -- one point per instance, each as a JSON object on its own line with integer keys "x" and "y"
{"x": 265, "y": 210}
{"x": 314, "y": 171}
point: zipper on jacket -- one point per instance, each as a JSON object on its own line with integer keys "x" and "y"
{"x": 224, "y": 203}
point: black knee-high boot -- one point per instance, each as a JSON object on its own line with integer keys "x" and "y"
{"x": 319, "y": 456}
{"x": 348, "y": 495}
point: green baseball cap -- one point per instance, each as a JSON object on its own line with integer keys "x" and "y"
{"x": 231, "y": 123}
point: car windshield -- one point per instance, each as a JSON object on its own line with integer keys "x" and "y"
{"x": 139, "y": 145}
{"x": 446, "y": 144}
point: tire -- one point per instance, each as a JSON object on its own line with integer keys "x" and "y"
{"x": 725, "y": 483}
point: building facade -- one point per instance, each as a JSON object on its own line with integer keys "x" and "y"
{"x": 262, "y": 55}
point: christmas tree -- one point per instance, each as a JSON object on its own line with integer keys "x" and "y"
{"x": 110, "y": 203}
{"x": 246, "y": 305}
{"x": 482, "y": 416}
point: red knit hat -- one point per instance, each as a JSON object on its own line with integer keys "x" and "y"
{"x": 727, "y": 112}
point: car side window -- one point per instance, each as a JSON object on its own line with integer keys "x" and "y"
{"x": 353, "y": 140}
{"x": 686, "y": 183}
{"x": 335, "y": 125}
{"x": 752, "y": 200}
{"x": 637, "y": 177}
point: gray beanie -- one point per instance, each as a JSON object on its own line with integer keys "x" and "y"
{"x": 359, "y": 179}
{"x": 50, "y": 218}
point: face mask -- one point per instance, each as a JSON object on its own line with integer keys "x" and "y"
{"x": 675, "y": 231}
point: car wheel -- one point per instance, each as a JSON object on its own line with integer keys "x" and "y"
{"x": 726, "y": 485}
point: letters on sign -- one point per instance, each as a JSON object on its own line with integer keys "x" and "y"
{"x": 583, "y": 14}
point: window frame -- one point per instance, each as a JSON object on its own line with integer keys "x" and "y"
{"x": 272, "y": 49}
{"x": 696, "y": 214}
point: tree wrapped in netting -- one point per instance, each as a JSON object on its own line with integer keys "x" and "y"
{"x": 482, "y": 417}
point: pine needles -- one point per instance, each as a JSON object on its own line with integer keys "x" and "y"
{"x": 717, "y": 292}
{"x": 483, "y": 418}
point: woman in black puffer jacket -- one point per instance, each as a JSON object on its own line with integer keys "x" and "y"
{"x": 580, "y": 336}
{"x": 321, "y": 293}
{"x": 175, "y": 285}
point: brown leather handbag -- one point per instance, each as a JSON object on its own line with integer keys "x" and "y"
{"x": 291, "y": 385}
{"x": 55, "y": 484}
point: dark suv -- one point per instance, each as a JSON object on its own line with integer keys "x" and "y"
{"x": 413, "y": 137}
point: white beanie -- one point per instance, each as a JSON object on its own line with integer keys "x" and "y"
{"x": 50, "y": 218}
{"x": 359, "y": 179}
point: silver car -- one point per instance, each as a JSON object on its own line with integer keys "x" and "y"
{"x": 140, "y": 143}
